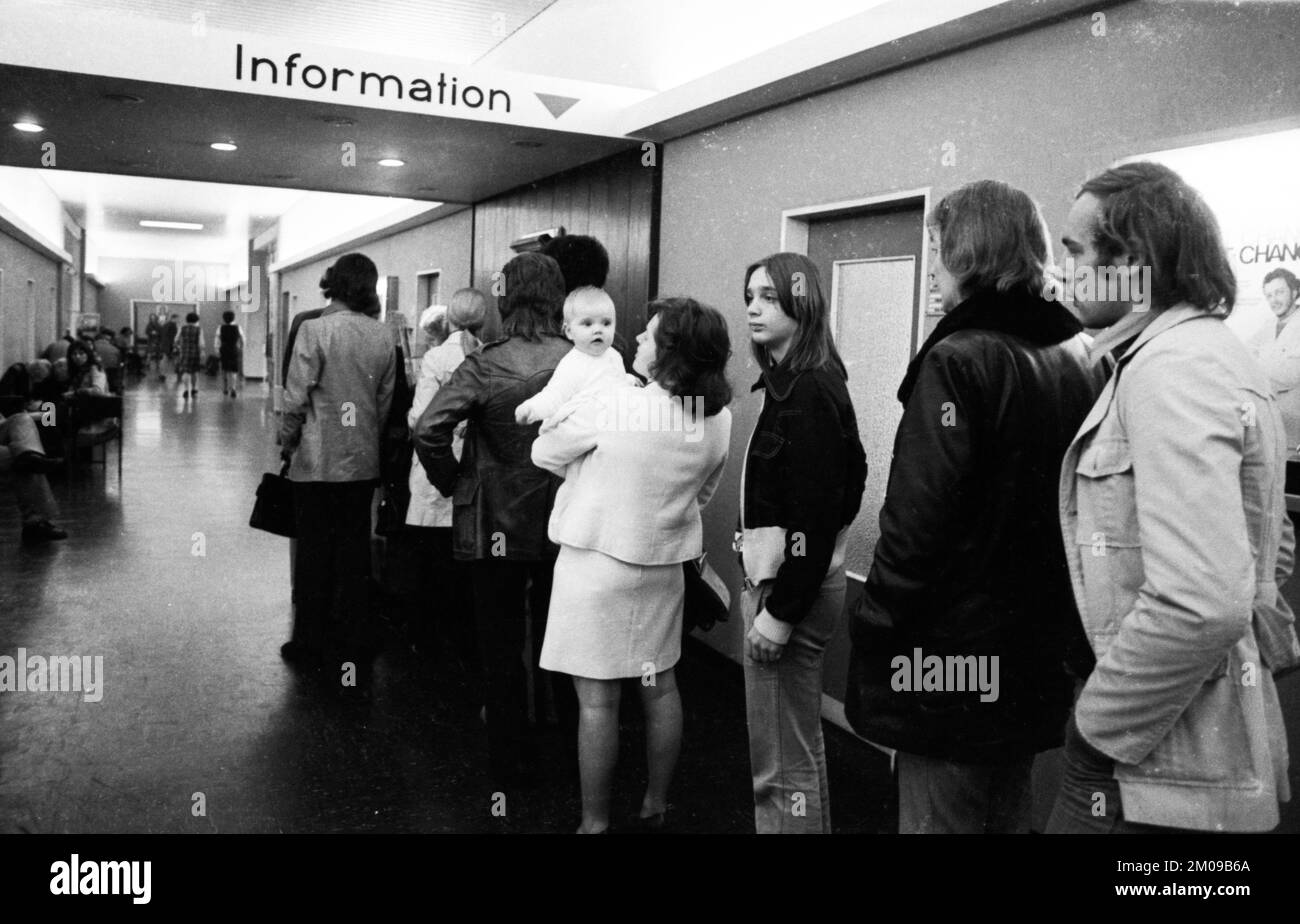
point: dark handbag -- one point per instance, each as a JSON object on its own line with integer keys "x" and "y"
{"x": 708, "y": 601}
{"x": 273, "y": 510}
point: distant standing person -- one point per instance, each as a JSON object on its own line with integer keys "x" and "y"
{"x": 153, "y": 345}
{"x": 189, "y": 353}
{"x": 170, "y": 330}
{"x": 231, "y": 347}
{"x": 429, "y": 514}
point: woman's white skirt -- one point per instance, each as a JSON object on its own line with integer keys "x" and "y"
{"x": 611, "y": 619}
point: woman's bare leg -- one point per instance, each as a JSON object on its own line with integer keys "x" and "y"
{"x": 663, "y": 738}
{"x": 597, "y": 748}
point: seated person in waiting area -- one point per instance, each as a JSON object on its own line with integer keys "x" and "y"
{"x": 87, "y": 385}
{"x": 590, "y": 365}
{"x": 22, "y": 468}
{"x": 32, "y": 387}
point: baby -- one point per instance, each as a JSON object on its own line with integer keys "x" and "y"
{"x": 590, "y": 365}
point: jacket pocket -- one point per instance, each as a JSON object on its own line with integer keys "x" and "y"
{"x": 1106, "y": 495}
{"x": 767, "y": 445}
{"x": 1110, "y": 553}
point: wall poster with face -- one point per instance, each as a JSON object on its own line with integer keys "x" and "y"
{"x": 1253, "y": 186}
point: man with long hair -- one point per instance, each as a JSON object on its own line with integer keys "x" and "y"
{"x": 501, "y": 501}
{"x": 969, "y": 571}
{"x": 1176, "y": 531}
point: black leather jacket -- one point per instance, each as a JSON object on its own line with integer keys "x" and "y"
{"x": 804, "y": 473}
{"x": 970, "y": 559}
{"x": 501, "y": 501}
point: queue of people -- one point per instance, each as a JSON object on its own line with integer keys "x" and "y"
{"x": 1086, "y": 533}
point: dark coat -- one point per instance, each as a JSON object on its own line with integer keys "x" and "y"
{"x": 804, "y": 474}
{"x": 501, "y": 502}
{"x": 970, "y": 560}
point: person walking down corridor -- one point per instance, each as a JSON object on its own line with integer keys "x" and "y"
{"x": 170, "y": 330}
{"x": 189, "y": 354}
{"x": 231, "y": 348}
{"x": 801, "y": 487}
{"x": 340, "y": 387}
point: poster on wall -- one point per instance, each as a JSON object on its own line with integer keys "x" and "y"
{"x": 1252, "y": 186}
{"x": 86, "y": 324}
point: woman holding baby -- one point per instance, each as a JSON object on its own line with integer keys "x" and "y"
{"x": 626, "y": 517}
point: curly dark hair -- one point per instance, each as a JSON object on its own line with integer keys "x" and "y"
{"x": 352, "y": 280}
{"x": 692, "y": 347}
{"x": 533, "y": 303}
{"x": 583, "y": 260}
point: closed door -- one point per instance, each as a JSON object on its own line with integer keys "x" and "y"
{"x": 871, "y": 266}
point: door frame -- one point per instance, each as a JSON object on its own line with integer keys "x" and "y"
{"x": 795, "y": 223}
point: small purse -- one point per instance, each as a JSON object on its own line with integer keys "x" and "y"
{"x": 273, "y": 509}
{"x": 708, "y": 601}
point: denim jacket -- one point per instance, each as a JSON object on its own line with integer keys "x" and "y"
{"x": 1175, "y": 530}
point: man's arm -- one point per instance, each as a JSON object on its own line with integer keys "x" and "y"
{"x": 572, "y": 434}
{"x": 457, "y": 400}
{"x": 1185, "y": 434}
{"x": 816, "y": 471}
{"x": 303, "y": 376}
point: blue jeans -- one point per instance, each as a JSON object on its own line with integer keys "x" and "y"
{"x": 783, "y": 702}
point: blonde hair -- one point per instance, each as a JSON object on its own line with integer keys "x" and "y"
{"x": 468, "y": 310}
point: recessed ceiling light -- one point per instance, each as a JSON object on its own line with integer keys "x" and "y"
{"x": 28, "y": 127}
{"x": 124, "y": 97}
{"x": 340, "y": 121}
{"x": 392, "y": 162}
{"x": 281, "y": 177}
{"x": 528, "y": 144}
{"x": 172, "y": 225}
{"x": 223, "y": 146}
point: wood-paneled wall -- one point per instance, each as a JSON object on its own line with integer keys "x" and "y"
{"x": 612, "y": 200}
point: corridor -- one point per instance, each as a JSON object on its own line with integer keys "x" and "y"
{"x": 187, "y": 606}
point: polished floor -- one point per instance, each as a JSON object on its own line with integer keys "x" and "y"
{"x": 202, "y": 728}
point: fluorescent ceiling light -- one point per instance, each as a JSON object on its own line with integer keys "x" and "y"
{"x": 173, "y": 225}
{"x": 223, "y": 146}
{"x": 28, "y": 127}
{"x": 392, "y": 162}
